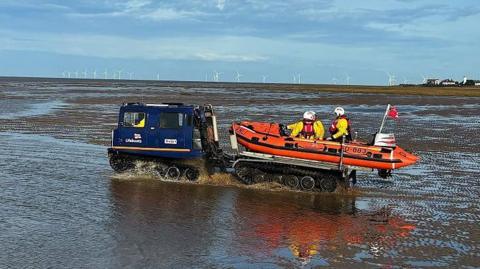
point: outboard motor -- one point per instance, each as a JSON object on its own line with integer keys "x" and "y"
{"x": 385, "y": 140}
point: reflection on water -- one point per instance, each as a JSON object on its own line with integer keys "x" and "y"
{"x": 239, "y": 227}
{"x": 14, "y": 109}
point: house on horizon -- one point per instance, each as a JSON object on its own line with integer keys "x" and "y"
{"x": 448, "y": 82}
{"x": 432, "y": 82}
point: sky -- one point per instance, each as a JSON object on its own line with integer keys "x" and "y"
{"x": 318, "y": 41}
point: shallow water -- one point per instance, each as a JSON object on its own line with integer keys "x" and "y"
{"x": 62, "y": 206}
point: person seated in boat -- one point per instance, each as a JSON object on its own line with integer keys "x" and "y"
{"x": 340, "y": 126}
{"x": 309, "y": 127}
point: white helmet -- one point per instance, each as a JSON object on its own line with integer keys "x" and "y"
{"x": 339, "y": 111}
{"x": 309, "y": 115}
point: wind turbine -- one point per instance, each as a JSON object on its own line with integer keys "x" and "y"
{"x": 120, "y": 74}
{"x": 264, "y": 78}
{"x": 216, "y": 76}
{"x": 69, "y": 74}
{"x": 158, "y": 76}
{"x": 85, "y": 73}
{"x": 424, "y": 81}
{"x": 347, "y": 79}
{"x": 238, "y": 76}
{"x": 76, "y": 74}
{"x": 206, "y": 76}
{"x": 105, "y": 73}
{"x": 94, "y": 74}
{"x": 334, "y": 79}
{"x": 299, "y": 78}
{"x": 131, "y": 75}
{"x": 391, "y": 79}
{"x": 64, "y": 74}
{"x": 294, "y": 79}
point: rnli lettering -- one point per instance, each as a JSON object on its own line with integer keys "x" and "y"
{"x": 137, "y": 141}
{"x": 170, "y": 141}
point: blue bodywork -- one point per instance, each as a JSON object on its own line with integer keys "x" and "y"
{"x": 154, "y": 139}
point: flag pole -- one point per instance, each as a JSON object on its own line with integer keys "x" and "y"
{"x": 384, "y": 117}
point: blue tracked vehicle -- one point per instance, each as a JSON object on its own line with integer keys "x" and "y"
{"x": 168, "y": 134}
{"x": 175, "y": 137}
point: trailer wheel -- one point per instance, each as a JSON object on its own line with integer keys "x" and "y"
{"x": 291, "y": 181}
{"x": 244, "y": 174}
{"x": 258, "y": 177}
{"x": 191, "y": 174}
{"x": 328, "y": 184}
{"x": 307, "y": 183}
{"x": 173, "y": 173}
{"x": 121, "y": 164}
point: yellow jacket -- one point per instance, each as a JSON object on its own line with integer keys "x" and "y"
{"x": 298, "y": 127}
{"x": 342, "y": 128}
{"x": 140, "y": 124}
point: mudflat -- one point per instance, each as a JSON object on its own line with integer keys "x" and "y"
{"x": 61, "y": 203}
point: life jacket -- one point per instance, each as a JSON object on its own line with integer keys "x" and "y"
{"x": 308, "y": 130}
{"x": 333, "y": 128}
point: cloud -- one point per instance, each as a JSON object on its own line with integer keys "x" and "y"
{"x": 212, "y": 56}
{"x": 199, "y": 49}
{"x": 142, "y": 9}
{"x": 163, "y": 14}
{"x": 221, "y": 4}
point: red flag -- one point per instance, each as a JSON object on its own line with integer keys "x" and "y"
{"x": 393, "y": 113}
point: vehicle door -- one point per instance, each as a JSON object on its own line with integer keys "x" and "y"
{"x": 132, "y": 129}
{"x": 171, "y": 129}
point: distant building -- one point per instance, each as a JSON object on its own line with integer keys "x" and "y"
{"x": 448, "y": 82}
{"x": 432, "y": 82}
{"x": 471, "y": 82}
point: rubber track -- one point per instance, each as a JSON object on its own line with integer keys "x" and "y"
{"x": 275, "y": 168}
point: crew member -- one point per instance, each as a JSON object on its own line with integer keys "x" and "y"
{"x": 308, "y": 128}
{"x": 340, "y": 126}
{"x": 140, "y": 121}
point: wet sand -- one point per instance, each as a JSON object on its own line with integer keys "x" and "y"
{"x": 61, "y": 204}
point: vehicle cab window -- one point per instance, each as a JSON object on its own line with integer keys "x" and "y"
{"x": 134, "y": 119}
{"x": 171, "y": 120}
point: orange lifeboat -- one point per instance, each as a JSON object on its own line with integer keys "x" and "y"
{"x": 268, "y": 138}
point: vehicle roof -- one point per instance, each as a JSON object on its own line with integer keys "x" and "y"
{"x": 161, "y": 105}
